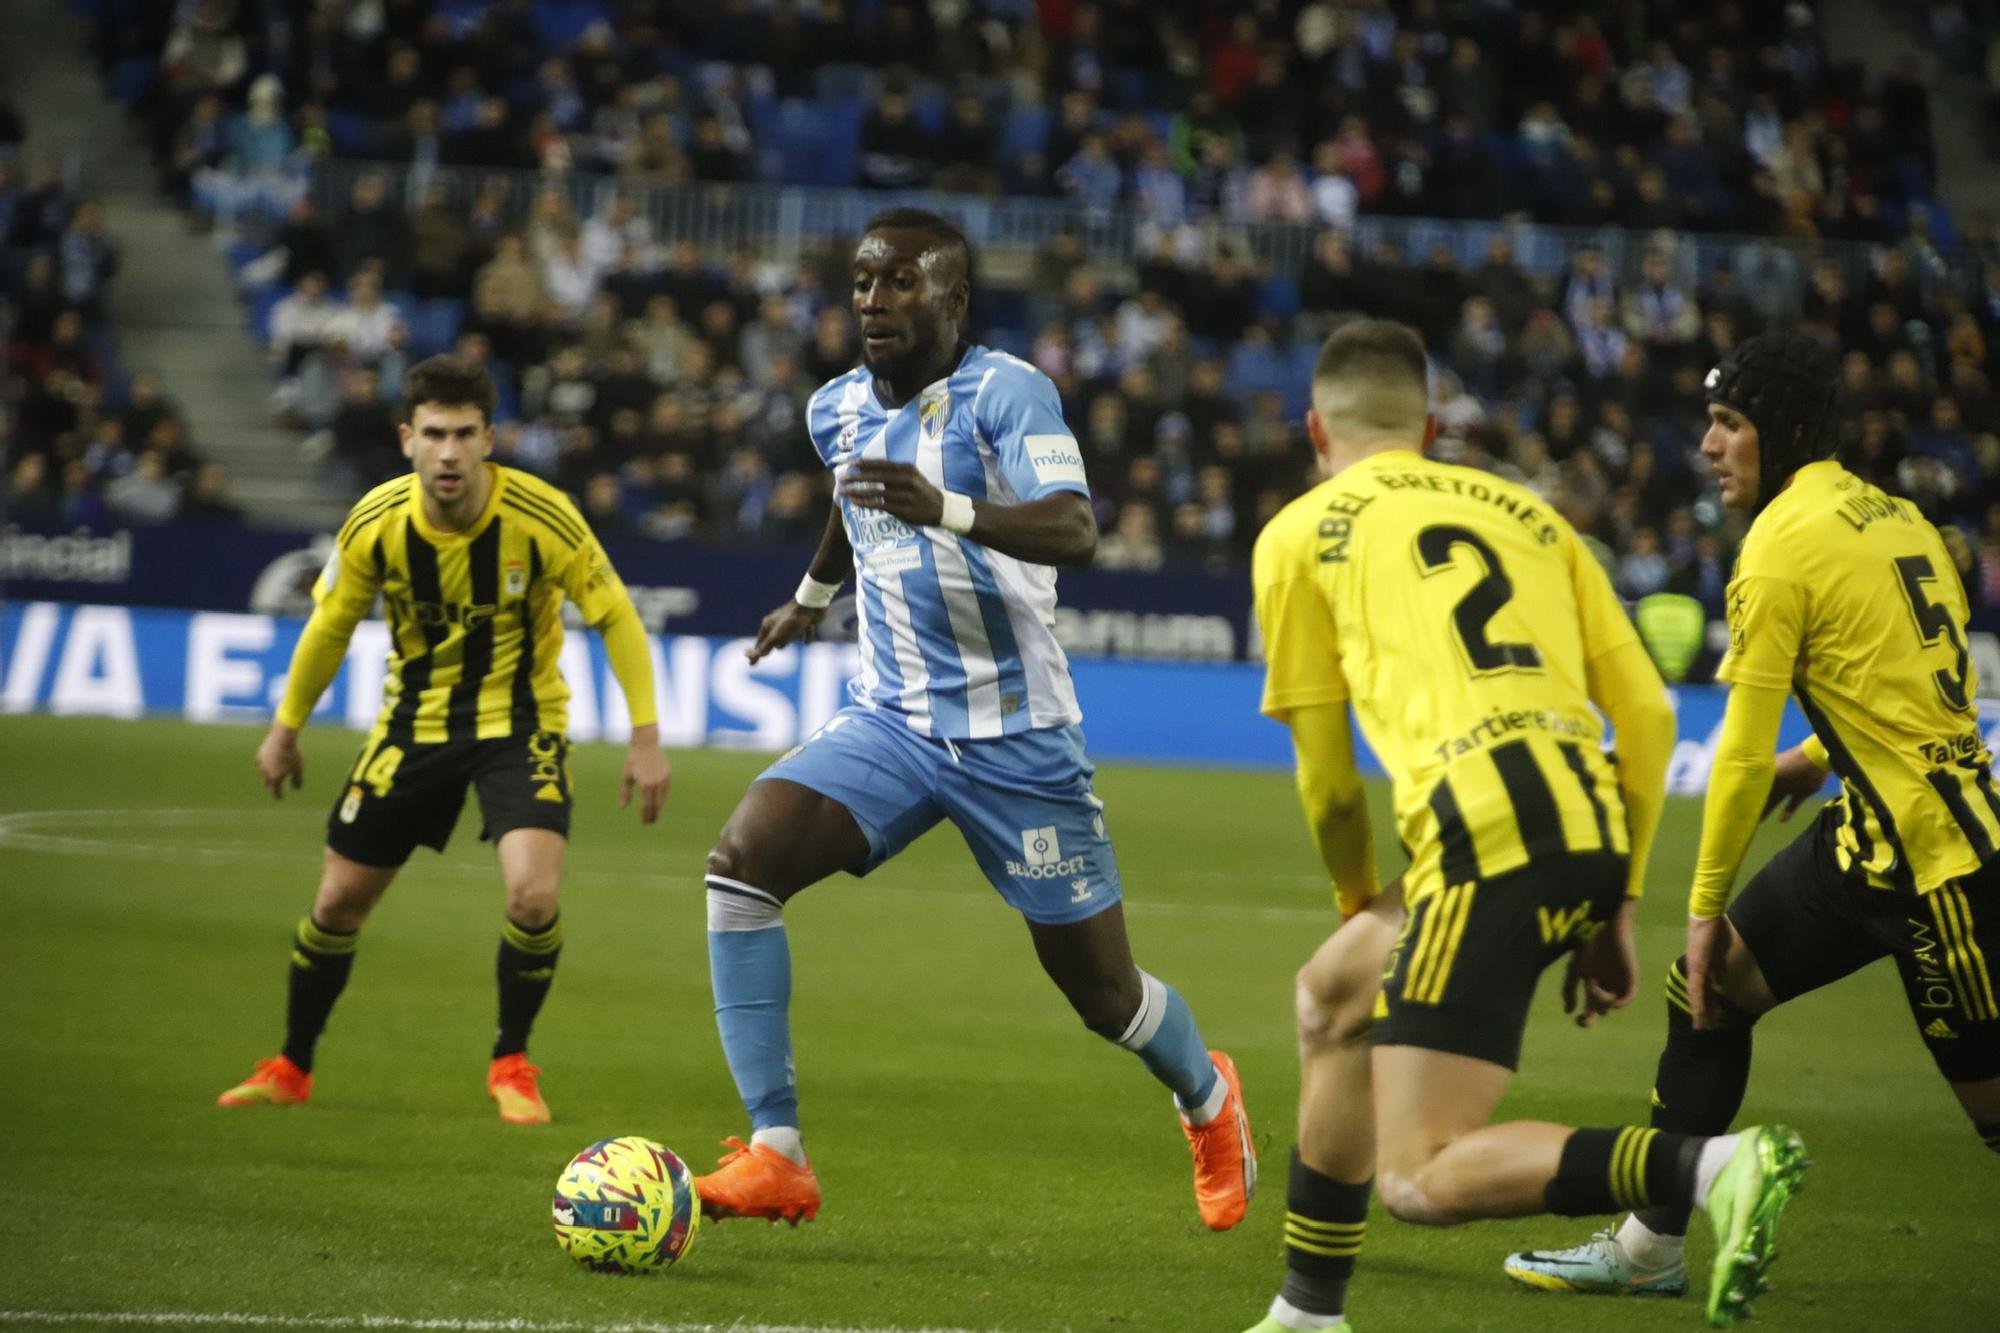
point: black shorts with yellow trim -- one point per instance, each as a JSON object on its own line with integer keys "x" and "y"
{"x": 397, "y": 797}
{"x": 1463, "y": 974}
{"x": 1808, "y": 923}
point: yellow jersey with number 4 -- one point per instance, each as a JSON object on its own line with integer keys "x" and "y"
{"x": 1456, "y": 612}
{"x": 1847, "y": 597}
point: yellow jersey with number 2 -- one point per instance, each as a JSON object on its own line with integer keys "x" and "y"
{"x": 1457, "y": 613}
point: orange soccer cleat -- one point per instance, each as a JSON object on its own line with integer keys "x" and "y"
{"x": 510, "y": 1081}
{"x": 1225, "y": 1160}
{"x": 275, "y": 1082}
{"x": 756, "y": 1180}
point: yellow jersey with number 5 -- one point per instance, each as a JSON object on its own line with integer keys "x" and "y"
{"x": 1456, "y": 612}
{"x": 1847, "y": 597}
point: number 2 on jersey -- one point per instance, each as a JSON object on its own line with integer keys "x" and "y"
{"x": 1436, "y": 548}
{"x": 1934, "y": 621}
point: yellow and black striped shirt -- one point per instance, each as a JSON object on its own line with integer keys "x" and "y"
{"x": 1847, "y": 597}
{"x": 1457, "y": 613}
{"x": 475, "y": 617}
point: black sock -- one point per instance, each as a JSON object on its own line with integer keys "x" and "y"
{"x": 1989, "y": 1135}
{"x": 1605, "y": 1170}
{"x": 321, "y": 960}
{"x": 1700, "y": 1084}
{"x": 525, "y": 968}
{"x": 1324, "y": 1222}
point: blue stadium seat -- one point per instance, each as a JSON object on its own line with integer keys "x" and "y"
{"x": 928, "y": 109}
{"x": 1253, "y": 368}
{"x": 561, "y": 22}
{"x": 262, "y": 302}
{"x": 1278, "y": 295}
{"x": 1024, "y": 130}
{"x": 351, "y": 132}
{"x": 130, "y": 78}
{"x": 1014, "y": 341}
{"x": 434, "y": 325}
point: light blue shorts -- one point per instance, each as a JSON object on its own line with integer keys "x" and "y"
{"x": 1023, "y": 804}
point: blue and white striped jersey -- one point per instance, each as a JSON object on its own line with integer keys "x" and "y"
{"x": 957, "y": 640}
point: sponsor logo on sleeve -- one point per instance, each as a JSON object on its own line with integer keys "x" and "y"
{"x": 1055, "y": 459}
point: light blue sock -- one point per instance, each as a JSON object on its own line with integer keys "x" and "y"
{"x": 750, "y": 969}
{"x": 1163, "y": 1035}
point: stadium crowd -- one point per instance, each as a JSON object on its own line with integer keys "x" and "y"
{"x": 81, "y": 441}
{"x": 663, "y": 383}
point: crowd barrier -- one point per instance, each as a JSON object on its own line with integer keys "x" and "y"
{"x": 215, "y": 666}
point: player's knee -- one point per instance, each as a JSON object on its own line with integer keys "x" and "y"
{"x": 1335, "y": 1015}
{"x": 1107, "y": 1005}
{"x": 531, "y": 906}
{"x": 1410, "y": 1195}
{"x": 344, "y": 901}
{"x": 729, "y": 859}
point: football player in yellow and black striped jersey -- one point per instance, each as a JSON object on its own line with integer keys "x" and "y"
{"x": 471, "y": 562}
{"x": 1845, "y": 598}
{"x": 1474, "y": 638}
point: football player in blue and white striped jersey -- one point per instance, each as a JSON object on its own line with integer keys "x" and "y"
{"x": 960, "y": 491}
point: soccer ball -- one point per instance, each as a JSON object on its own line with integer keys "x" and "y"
{"x": 626, "y": 1206}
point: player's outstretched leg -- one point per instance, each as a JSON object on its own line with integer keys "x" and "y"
{"x": 782, "y": 837}
{"x": 1697, "y": 1089}
{"x": 1091, "y": 962}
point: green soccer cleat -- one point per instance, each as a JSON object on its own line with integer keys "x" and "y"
{"x": 1598, "y": 1267}
{"x": 1270, "y": 1324}
{"x": 1744, "y": 1202}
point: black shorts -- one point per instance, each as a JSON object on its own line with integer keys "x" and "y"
{"x": 397, "y": 796}
{"x": 1807, "y": 922}
{"x": 1463, "y": 974}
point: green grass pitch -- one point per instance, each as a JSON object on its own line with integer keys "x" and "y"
{"x": 988, "y": 1164}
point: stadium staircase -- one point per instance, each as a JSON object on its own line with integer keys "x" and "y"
{"x": 173, "y": 303}
{"x": 1879, "y": 34}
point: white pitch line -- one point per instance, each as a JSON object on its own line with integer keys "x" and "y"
{"x": 238, "y": 1319}
{"x": 42, "y": 831}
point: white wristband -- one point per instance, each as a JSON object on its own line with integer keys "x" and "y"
{"x": 814, "y": 595}
{"x": 957, "y": 515}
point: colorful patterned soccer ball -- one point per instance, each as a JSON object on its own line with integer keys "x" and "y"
{"x": 626, "y": 1206}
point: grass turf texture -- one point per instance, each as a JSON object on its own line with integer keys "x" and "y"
{"x": 988, "y": 1164}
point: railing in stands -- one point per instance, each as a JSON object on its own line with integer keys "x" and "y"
{"x": 784, "y": 222}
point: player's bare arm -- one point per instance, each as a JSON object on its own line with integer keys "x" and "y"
{"x": 1057, "y": 529}
{"x": 794, "y": 621}
{"x": 278, "y": 758}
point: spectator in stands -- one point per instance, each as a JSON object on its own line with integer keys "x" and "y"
{"x": 1277, "y": 192}
{"x": 303, "y": 322}
{"x": 1134, "y": 540}
{"x": 368, "y": 324}
{"x": 896, "y": 153}
{"x": 146, "y": 494}
{"x": 87, "y": 258}
{"x": 1658, "y": 311}
{"x": 208, "y": 499}
{"x": 372, "y": 228}
{"x": 1092, "y": 177}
